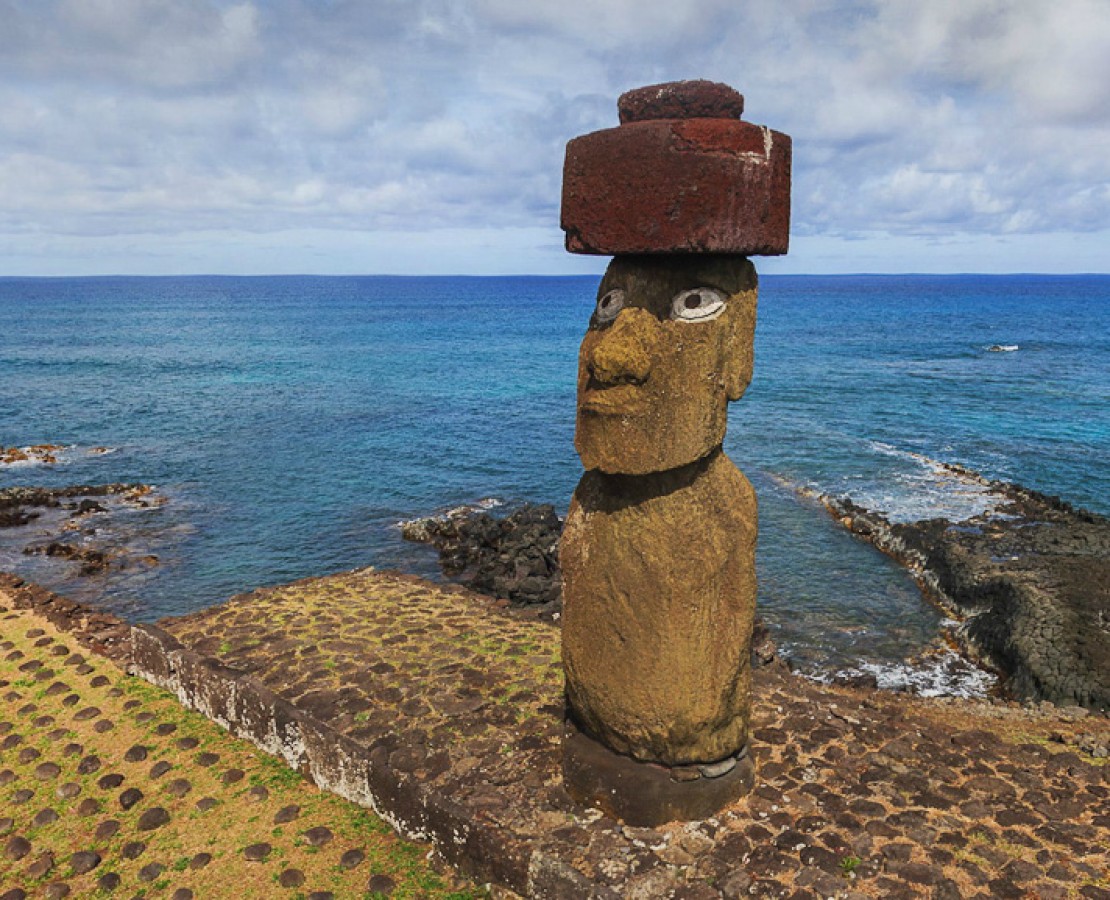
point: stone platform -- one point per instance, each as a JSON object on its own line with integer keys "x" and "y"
{"x": 444, "y": 712}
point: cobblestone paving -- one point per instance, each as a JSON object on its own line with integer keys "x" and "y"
{"x": 109, "y": 788}
{"x": 859, "y": 793}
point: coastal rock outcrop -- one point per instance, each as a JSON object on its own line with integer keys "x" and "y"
{"x": 514, "y": 558}
{"x": 1030, "y": 579}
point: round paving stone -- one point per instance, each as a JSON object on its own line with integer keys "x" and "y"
{"x": 89, "y": 712}
{"x": 143, "y": 717}
{"x": 286, "y": 814}
{"x": 179, "y": 787}
{"x": 90, "y": 806}
{"x": 7, "y": 823}
{"x": 231, "y": 776}
{"x": 136, "y": 754}
{"x": 58, "y": 687}
{"x": 84, "y": 669}
{"x": 56, "y": 734}
{"x": 257, "y": 852}
{"x": 165, "y": 728}
{"x": 321, "y": 895}
{"x": 108, "y": 882}
{"x": 207, "y": 759}
{"x": 84, "y": 861}
{"x": 186, "y": 743}
{"x": 71, "y": 699}
{"x": 106, "y": 830}
{"x": 132, "y": 704}
{"x": 88, "y": 765}
{"x": 318, "y": 836}
{"x": 151, "y": 871}
{"x": 42, "y": 866}
{"x": 99, "y": 681}
{"x": 17, "y": 847}
{"x": 130, "y": 797}
{"x": 47, "y": 770}
{"x": 351, "y": 859}
{"x": 155, "y": 817}
{"x": 110, "y": 781}
{"x": 22, "y": 796}
{"x": 14, "y": 894}
{"x": 7, "y": 776}
{"x": 68, "y": 791}
{"x": 258, "y": 793}
{"x": 159, "y": 769}
{"x": 72, "y": 749}
{"x": 44, "y": 817}
{"x": 182, "y": 894}
{"x": 43, "y": 722}
{"x": 291, "y": 878}
{"x": 200, "y": 861}
{"x": 28, "y": 755}
{"x": 12, "y": 740}
{"x": 380, "y": 884}
{"x": 104, "y": 726}
{"x": 206, "y": 803}
{"x": 56, "y": 890}
{"x": 132, "y": 849}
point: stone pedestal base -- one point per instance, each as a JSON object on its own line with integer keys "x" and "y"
{"x": 646, "y": 794}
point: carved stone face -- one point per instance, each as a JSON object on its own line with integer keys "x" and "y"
{"x": 669, "y": 344}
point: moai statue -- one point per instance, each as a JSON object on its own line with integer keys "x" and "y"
{"x": 658, "y": 553}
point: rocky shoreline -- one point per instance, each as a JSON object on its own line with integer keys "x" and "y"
{"x": 1028, "y": 580}
{"x": 64, "y": 513}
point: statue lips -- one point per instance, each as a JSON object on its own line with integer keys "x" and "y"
{"x": 624, "y": 399}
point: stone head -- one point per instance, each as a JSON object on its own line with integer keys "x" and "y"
{"x": 668, "y": 346}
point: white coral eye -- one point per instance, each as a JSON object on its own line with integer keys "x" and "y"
{"x": 609, "y": 305}
{"x": 697, "y": 305}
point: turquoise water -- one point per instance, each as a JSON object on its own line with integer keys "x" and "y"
{"x": 293, "y": 421}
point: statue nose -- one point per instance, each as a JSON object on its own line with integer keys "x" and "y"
{"x": 623, "y": 354}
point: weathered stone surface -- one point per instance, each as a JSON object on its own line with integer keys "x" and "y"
{"x": 669, "y": 345}
{"x": 678, "y": 185}
{"x": 656, "y": 632}
{"x": 681, "y": 100}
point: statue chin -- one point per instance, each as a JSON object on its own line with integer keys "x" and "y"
{"x": 641, "y": 445}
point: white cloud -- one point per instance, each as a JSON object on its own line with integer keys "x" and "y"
{"x": 910, "y": 120}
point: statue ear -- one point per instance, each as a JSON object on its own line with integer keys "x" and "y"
{"x": 738, "y": 350}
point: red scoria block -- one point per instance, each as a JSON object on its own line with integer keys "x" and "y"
{"x": 681, "y": 100}
{"x": 678, "y": 185}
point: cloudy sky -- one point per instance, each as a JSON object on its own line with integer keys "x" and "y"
{"x": 427, "y": 136}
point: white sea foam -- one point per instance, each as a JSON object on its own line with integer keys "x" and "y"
{"x": 941, "y": 674}
{"x": 455, "y": 512}
{"x": 1002, "y": 348}
{"x": 927, "y": 490}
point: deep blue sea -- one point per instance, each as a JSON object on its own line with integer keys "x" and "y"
{"x": 293, "y": 421}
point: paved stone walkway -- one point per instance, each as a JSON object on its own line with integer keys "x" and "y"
{"x": 109, "y": 788}
{"x": 859, "y": 793}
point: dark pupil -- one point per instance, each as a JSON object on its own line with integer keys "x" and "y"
{"x": 693, "y": 301}
{"x": 606, "y": 300}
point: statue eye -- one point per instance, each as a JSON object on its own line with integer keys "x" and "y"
{"x": 609, "y": 305}
{"x": 698, "y": 305}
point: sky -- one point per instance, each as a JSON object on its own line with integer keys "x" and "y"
{"x": 427, "y": 136}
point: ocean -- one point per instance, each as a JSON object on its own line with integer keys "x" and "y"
{"x": 292, "y": 422}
